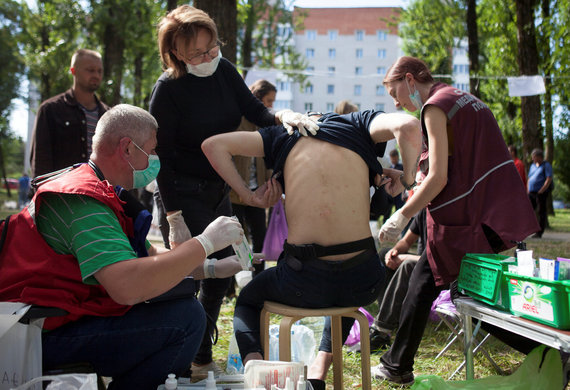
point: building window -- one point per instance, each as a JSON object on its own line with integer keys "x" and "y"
{"x": 281, "y": 104}
{"x": 310, "y": 53}
{"x": 308, "y": 107}
{"x": 358, "y": 70}
{"x": 381, "y": 70}
{"x": 333, "y": 34}
{"x": 330, "y": 107}
{"x": 359, "y": 35}
{"x": 283, "y": 85}
{"x": 357, "y": 90}
{"x": 310, "y": 68}
{"x": 311, "y": 35}
{"x": 332, "y": 54}
{"x": 380, "y": 90}
{"x": 358, "y": 53}
{"x": 381, "y": 53}
{"x": 382, "y": 35}
{"x": 330, "y": 89}
{"x": 309, "y": 89}
{"x": 331, "y": 70}
{"x": 463, "y": 69}
{"x": 379, "y": 107}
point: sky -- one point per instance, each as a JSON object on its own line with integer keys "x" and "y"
{"x": 19, "y": 115}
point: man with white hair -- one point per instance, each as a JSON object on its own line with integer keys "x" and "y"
{"x": 65, "y": 123}
{"x": 81, "y": 248}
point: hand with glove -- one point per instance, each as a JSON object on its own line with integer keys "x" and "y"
{"x": 220, "y": 233}
{"x": 178, "y": 231}
{"x": 393, "y": 227}
{"x": 302, "y": 122}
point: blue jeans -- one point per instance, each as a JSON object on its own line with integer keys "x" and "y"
{"x": 309, "y": 287}
{"x": 138, "y": 349}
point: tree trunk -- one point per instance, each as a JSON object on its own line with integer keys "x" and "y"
{"x": 473, "y": 39}
{"x": 246, "y": 46}
{"x": 113, "y": 62}
{"x": 527, "y": 59}
{"x": 545, "y": 48}
{"x": 224, "y": 13}
{"x": 171, "y": 4}
{"x": 138, "y": 75}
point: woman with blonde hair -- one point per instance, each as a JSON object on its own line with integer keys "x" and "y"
{"x": 200, "y": 94}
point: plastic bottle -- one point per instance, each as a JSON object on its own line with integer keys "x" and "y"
{"x": 289, "y": 385}
{"x": 210, "y": 381}
{"x": 301, "y": 384}
{"x": 171, "y": 382}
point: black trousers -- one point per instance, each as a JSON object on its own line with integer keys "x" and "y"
{"x": 202, "y": 201}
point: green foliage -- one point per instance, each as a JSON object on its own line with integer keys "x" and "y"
{"x": 51, "y": 30}
{"x": 265, "y": 36}
{"x": 433, "y": 45}
{"x": 12, "y": 63}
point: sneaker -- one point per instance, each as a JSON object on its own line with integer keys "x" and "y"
{"x": 201, "y": 372}
{"x": 378, "y": 339}
{"x": 405, "y": 378}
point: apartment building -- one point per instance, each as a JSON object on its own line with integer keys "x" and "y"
{"x": 348, "y": 51}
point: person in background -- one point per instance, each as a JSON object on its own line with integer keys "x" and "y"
{"x": 23, "y": 190}
{"x": 518, "y": 163}
{"x": 345, "y": 107}
{"x": 539, "y": 186}
{"x": 65, "y": 123}
{"x": 200, "y": 94}
{"x": 399, "y": 266}
{"x": 253, "y": 171}
{"x": 87, "y": 254}
{"x": 395, "y": 201}
{"x": 475, "y": 199}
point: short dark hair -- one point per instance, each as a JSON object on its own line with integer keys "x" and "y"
{"x": 394, "y": 153}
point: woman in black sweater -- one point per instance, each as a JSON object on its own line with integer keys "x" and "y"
{"x": 200, "y": 94}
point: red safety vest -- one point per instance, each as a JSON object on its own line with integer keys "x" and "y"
{"x": 30, "y": 270}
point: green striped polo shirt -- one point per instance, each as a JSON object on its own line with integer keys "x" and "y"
{"x": 81, "y": 226}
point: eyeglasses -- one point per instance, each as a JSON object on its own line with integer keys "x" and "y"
{"x": 199, "y": 58}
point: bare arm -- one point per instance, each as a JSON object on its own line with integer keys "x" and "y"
{"x": 407, "y": 131}
{"x": 436, "y": 180}
{"x": 133, "y": 281}
{"x": 220, "y": 149}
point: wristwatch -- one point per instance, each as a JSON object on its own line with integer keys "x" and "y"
{"x": 407, "y": 187}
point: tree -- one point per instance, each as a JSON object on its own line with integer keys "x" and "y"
{"x": 224, "y": 14}
{"x": 266, "y": 38}
{"x": 527, "y": 60}
{"x": 433, "y": 45}
{"x": 50, "y": 33}
{"x": 473, "y": 40}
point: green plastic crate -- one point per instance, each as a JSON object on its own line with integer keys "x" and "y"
{"x": 540, "y": 300}
{"x": 481, "y": 277}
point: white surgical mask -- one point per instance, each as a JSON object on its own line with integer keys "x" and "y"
{"x": 204, "y": 69}
{"x": 415, "y": 97}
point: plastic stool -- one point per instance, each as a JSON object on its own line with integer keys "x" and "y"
{"x": 291, "y": 314}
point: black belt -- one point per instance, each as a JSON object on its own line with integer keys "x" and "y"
{"x": 310, "y": 251}
{"x": 297, "y": 255}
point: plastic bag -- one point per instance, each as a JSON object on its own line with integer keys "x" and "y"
{"x": 354, "y": 335}
{"x": 302, "y": 344}
{"x": 24, "y": 343}
{"x": 541, "y": 369}
{"x": 442, "y": 300}
{"x": 235, "y": 365}
{"x": 276, "y": 234}
{"x": 63, "y": 382}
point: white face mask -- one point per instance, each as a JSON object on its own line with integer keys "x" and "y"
{"x": 204, "y": 69}
{"x": 415, "y": 97}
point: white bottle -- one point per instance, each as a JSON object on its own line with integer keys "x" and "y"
{"x": 301, "y": 384}
{"x": 289, "y": 385}
{"x": 210, "y": 381}
{"x": 171, "y": 383}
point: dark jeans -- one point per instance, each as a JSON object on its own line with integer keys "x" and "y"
{"x": 413, "y": 317}
{"x": 308, "y": 287}
{"x": 203, "y": 201}
{"x": 390, "y": 304}
{"x": 138, "y": 349}
{"x": 253, "y": 220}
{"x": 538, "y": 202}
